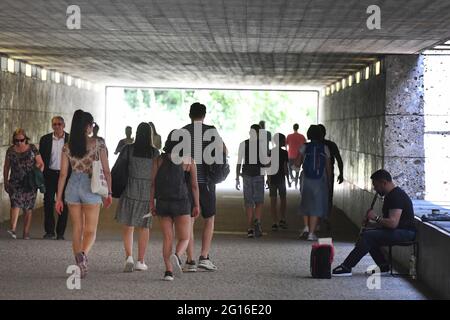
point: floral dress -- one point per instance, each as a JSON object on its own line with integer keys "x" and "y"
{"x": 21, "y": 164}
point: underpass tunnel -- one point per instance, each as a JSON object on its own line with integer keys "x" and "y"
{"x": 377, "y": 79}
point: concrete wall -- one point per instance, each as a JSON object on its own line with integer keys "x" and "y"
{"x": 30, "y": 104}
{"x": 404, "y": 154}
{"x": 398, "y": 120}
{"x": 354, "y": 118}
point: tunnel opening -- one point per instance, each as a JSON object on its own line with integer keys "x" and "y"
{"x": 231, "y": 111}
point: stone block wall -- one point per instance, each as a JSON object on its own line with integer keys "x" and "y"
{"x": 30, "y": 104}
{"x": 404, "y": 154}
{"x": 354, "y": 118}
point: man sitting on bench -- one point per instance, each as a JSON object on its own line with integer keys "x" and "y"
{"x": 395, "y": 226}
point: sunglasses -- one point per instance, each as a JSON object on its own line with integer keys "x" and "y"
{"x": 57, "y": 124}
{"x": 18, "y": 140}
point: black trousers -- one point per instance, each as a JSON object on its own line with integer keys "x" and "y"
{"x": 51, "y": 186}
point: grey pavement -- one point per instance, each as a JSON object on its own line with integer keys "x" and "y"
{"x": 275, "y": 266}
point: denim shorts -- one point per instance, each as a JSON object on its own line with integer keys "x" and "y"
{"x": 253, "y": 190}
{"x": 78, "y": 190}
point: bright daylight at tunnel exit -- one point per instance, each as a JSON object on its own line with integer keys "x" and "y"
{"x": 228, "y": 157}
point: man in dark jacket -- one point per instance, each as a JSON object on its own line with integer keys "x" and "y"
{"x": 50, "y": 147}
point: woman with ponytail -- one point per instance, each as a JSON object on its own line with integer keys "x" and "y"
{"x": 84, "y": 205}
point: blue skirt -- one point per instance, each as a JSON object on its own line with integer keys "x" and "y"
{"x": 314, "y": 196}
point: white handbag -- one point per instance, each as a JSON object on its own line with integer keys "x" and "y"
{"x": 99, "y": 185}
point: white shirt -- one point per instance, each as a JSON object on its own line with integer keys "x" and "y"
{"x": 55, "y": 158}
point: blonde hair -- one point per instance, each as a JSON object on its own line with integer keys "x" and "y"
{"x": 20, "y": 131}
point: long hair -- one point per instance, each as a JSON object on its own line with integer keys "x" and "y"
{"x": 77, "y": 141}
{"x": 143, "y": 143}
{"x": 153, "y": 128}
{"x": 20, "y": 131}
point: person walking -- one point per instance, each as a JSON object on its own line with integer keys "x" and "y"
{"x": 294, "y": 142}
{"x": 127, "y": 140}
{"x": 50, "y": 148}
{"x": 277, "y": 181}
{"x": 134, "y": 203}
{"x": 84, "y": 205}
{"x": 174, "y": 186}
{"x": 314, "y": 157}
{"x": 20, "y": 160}
{"x": 197, "y": 131}
{"x": 253, "y": 179}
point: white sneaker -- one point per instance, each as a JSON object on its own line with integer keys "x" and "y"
{"x": 312, "y": 237}
{"x": 12, "y": 234}
{"x": 206, "y": 264}
{"x": 141, "y": 266}
{"x": 190, "y": 266}
{"x": 129, "y": 265}
{"x": 176, "y": 264}
{"x": 304, "y": 234}
{"x": 168, "y": 276}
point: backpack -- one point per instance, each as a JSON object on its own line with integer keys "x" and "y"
{"x": 170, "y": 182}
{"x": 119, "y": 173}
{"x": 321, "y": 259}
{"x": 314, "y": 160}
{"x": 217, "y": 172}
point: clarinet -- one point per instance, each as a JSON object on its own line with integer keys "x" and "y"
{"x": 364, "y": 225}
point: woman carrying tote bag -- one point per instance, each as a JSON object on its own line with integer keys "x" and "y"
{"x": 84, "y": 205}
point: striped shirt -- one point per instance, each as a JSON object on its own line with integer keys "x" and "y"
{"x": 198, "y": 145}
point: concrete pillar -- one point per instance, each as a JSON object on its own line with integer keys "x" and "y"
{"x": 403, "y": 139}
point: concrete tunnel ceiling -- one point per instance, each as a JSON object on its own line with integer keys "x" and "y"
{"x": 217, "y": 42}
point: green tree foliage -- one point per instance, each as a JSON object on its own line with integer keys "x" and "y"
{"x": 131, "y": 97}
{"x": 172, "y": 99}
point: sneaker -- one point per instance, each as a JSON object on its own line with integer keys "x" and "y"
{"x": 312, "y": 237}
{"x": 176, "y": 264}
{"x": 190, "y": 266}
{"x": 129, "y": 264}
{"x": 258, "y": 229}
{"x": 274, "y": 227}
{"x": 81, "y": 261}
{"x": 49, "y": 236}
{"x": 283, "y": 224}
{"x": 342, "y": 271}
{"x": 250, "y": 233}
{"x": 304, "y": 234}
{"x": 60, "y": 237}
{"x": 168, "y": 276}
{"x": 12, "y": 234}
{"x": 206, "y": 264}
{"x": 26, "y": 237}
{"x": 384, "y": 271}
{"x": 140, "y": 266}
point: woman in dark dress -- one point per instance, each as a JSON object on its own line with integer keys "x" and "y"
{"x": 21, "y": 158}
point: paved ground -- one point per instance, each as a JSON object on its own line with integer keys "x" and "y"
{"x": 275, "y": 266}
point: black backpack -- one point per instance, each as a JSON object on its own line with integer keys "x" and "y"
{"x": 119, "y": 172}
{"x": 170, "y": 181}
{"x": 321, "y": 260}
{"x": 217, "y": 172}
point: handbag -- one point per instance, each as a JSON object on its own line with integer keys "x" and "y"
{"x": 99, "y": 185}
{"x": 119, "y": 173}
{"x": 34, "y": 180}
